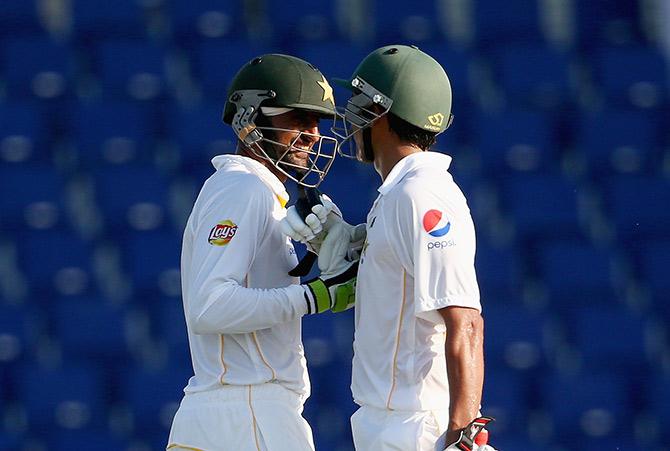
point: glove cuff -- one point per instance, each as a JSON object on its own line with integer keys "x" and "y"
{"x": 317, "y": 296}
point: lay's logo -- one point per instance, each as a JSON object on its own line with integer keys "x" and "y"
{"x": 222, "y": 233}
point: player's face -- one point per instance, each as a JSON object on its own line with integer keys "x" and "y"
{"x": 300, "y": 130}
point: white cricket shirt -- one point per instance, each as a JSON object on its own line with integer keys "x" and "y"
{"x": 243, "y": 328}
{"x": 418, "y": 258}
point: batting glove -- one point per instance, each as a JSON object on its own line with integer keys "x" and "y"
{"x": 313, "y": 229}
{"x": 309, "y": 230}
{"x": 335, "y": 289}
{"x": 473, "y": 437}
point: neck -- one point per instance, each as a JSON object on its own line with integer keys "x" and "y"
{"x": 246, "y": 152}
{"x": 386, "y": 160}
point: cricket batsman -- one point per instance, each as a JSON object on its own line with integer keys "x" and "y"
{"x": 418, "y": 366}
{"x": 243, "y": 310}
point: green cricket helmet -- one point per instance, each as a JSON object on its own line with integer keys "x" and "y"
{"x": 402, "y": 80}
{"x": 271, "y": 84}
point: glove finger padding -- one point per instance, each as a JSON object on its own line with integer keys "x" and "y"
{"x": 295, "y": 227}
{"x": 333, "y": 252}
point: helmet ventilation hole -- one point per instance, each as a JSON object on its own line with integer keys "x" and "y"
{"x": 391, "y": 51}
{"x": 256, "y": 60}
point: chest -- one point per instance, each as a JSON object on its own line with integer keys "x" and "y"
{"x": 378, "y": 251}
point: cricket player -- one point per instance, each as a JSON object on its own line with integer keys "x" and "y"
{"x": 418, "y": 365}
{"x": 243, "y": 310}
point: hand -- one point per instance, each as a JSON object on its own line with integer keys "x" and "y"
{"x": 473, "y": 437}
{"x": 309, "y": 230}
{"x": 335, "y": 289}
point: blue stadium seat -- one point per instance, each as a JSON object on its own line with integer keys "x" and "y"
{"x": 655, "y": 261}
{"x": 44, "y": 256}
{"x": 96, "y": 19}
{"x": 534, "y": 75}
{"x": 637, "y": 206}
{"x": 18, "y": 333}
{"x": 200, "y": 134}
{"x": 24, "y": 199}
{"x": 575, "y": 402}
{"x": 302, "y": 20}
{"x": 658, "y": 401}
{"x": 134, "y": 69}
{"x": 112, "y": 133}
{"x": 498, "y": 272}
{"x": 506, "y": 22}
{"x": 622, "y": 349}
{"x": 19, "y": 18}
{"x": 618, "y": 141}
{"x": 576, "y": 273}
{"x": 90, "y": 329}
{"x": 148, "y": 255}
{"x": 634, "y": 76}
{"x": 88, "y": 439}
{"x": 216, "y": 63}
{"x": 169, "y": 325}
{"x": 542, "y": 205}
{"x": 206, "y": 18}
{"x": 406, "y": 22}
{"x": 47, "y": 76}
{"x": 152, "y": 395}
{"x": 515, "y": 336}
{"x": 506, "y": 398}
{"x": 514, "y": 140}
{"x": 23, "y": 132}
{"x": 132, "y": 196}
{"x": 600, "y": 22}
{"x": 72, "y": 397}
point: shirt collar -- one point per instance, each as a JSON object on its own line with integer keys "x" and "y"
{"x": 410, "y": 163}
{"x": 257, "y": 168}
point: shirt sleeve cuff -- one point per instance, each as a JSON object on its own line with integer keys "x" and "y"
{"x": 430, "y": 304}
{"x": 296, "y": 296}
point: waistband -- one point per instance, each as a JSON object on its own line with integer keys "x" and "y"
{"x": 270, "y": 391}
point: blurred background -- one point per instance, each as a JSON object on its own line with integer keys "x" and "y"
{"x": 110, "y": 113}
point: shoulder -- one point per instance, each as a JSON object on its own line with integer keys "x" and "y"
{"x": 429, "y": 186}
{"x": 235, "y": 190}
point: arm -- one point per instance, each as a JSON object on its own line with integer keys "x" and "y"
{"x": 464, "y": 352}
{"x": 218, "y": 300}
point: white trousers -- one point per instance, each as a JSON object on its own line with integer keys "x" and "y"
{"x": 265, "y": 417}
{"x": 392, "y": 430}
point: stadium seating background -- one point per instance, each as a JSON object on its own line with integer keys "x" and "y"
{"x": 110, "y": 113}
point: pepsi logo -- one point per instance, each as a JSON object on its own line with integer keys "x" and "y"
{"x": 222, "y": 233}
{"x": 436, "y": 223}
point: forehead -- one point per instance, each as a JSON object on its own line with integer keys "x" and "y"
{"x": 298, "y": 116}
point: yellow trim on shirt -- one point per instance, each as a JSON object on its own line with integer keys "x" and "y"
{"x": 260, "y": 352}
{"x": 397, "y": 343}
{"x": 225, "y": 368}
{"x": 253, "y": 418}
{"x": 258, "y": 346}
{"x": 282, "y": 201}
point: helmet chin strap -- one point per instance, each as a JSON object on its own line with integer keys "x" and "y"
{"x": 368, "y": 153}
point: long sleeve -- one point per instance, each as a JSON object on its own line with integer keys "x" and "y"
{"x": 228, "y": 227}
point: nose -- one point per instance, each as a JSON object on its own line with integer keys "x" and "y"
{"x": 311, "y": 134}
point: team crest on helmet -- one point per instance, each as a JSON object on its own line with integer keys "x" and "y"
{"x": 222, "y": 233}
{"x": 327, "y": 90}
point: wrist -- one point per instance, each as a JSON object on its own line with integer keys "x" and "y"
{"x": 317, "y": 296}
